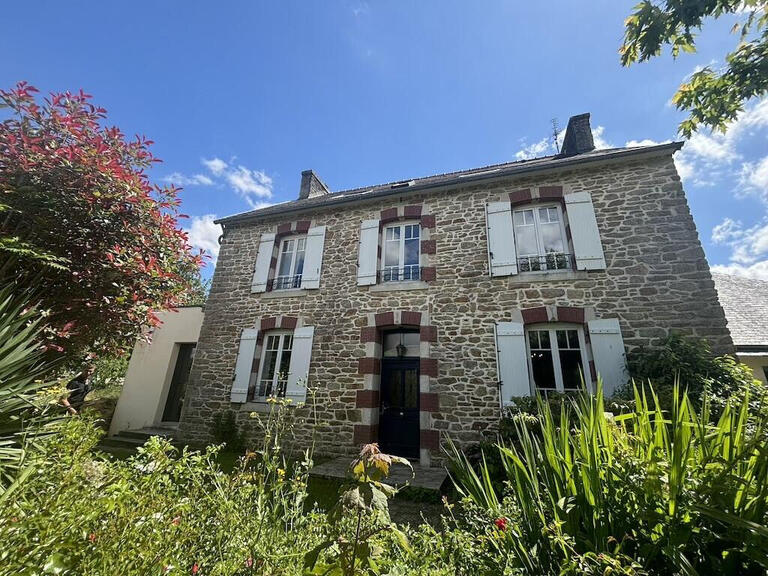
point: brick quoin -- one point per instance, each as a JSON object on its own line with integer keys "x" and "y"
{"x": 284, "y": 228}
{"x": 535, "y": 315}
{"x": 520, "y": 196}
{"x": 428, "y": 334}
{"x": 410, "y": 318}
{"x": 369, "y": 334}
{"x": 430, "y": 439}
{"x": 369, "y": 365}
{"x": 570, "y": 314}
{"x": 428, "y": 247}
{"x": 365, "y": 434}
{"x": 429, "y": 402}
{"x": 412, "y": 211}
{"x": 288, "y": 322}
{"x": 428, "y": 221}
{"x": 428, "y": 273}
{"x": 268, "y": 323}
{"x": 367, "y": 399}
{"x": 428, "y": 367}
{"x": 388, "y": 215}
{"x": 385, "y": 319}
{"x": 550, "y": 192}
{"x": 302, "y": 226}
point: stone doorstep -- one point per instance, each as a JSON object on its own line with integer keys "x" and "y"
{"x": 426, "y": 478}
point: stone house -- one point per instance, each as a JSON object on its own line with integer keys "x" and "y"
{"x": 416, "y": 310}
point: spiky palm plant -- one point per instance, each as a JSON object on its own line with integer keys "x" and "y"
{"x": 23, "y": 371}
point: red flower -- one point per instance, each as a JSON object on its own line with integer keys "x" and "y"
{"x": 92, "y": 537}
{"x": 195, "y": 568}
{"x": 249, "y": 562}
{"x": 501, "y": 523}
{"x": 176, "y": 521}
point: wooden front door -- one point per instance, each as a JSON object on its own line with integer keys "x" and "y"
{"x": 399, "y": 411}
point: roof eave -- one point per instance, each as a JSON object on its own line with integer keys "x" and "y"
{"x": 462, "y": 179}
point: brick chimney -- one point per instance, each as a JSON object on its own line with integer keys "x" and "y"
{"x": 578, "y": 136}
{"x": 311, "y": 186}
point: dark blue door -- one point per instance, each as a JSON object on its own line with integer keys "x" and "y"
{"x": 399, "y": 415}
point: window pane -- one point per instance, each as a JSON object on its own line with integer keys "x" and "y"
{"x": 552, "y": 238}
{"x": 562, "y": 339}
{"x": 270, "y": 362}
{"x": 544, "y": 339}
{"x": 411, "y": 251}
{"x": 285, "y": 259}
{"x": 526, "y": 241}
{"x": 543, "y": 371}
{"x": 533, "y": 339}
{"x": 570, "y": 364}
{"x": 573, "y": 339}
{"x": 392, "y": 253}
{"x": 298, "y": 268}
{"x": 282, "y": 375}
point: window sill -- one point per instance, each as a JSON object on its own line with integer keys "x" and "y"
{"x": 286, "y": 293}
{"x": 547, "y": 276}
{"x": 399, "y": 286}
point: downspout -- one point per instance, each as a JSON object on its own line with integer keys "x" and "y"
{"x": 498, "y": 376}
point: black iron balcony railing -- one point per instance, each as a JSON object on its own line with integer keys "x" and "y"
{"x": 284, "y": 283}
{"x": 553, "y": 261}
{"x": 392, "y": 274}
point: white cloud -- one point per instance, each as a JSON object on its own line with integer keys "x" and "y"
{"x": 249, "y": 183}
{"x": 758, "y": 270}
{"x": 215, "y": 165}
{"x": 540, "y": 148}
{"x": 600, "y": 142}
{"x": 754, "y": 177}
{"x": 204, "y": 234}
{"x": 181, "y": 180}
{"x": 252, "y": 185}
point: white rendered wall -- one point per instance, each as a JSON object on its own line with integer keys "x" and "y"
{"x": 150, "y": 370}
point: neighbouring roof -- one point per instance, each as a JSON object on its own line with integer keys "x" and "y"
{"x": 450, "y": 179}
{"x": 745, "y": 302}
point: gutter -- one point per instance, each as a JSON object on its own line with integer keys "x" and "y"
{"x": 459, "y": 179}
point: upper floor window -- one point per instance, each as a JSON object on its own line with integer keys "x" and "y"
{"x": 275, "y": 363}
{"x": 556, "y": 355}
{"x": 401, "y": 252}
{"x": 290, "y": 263}
{"x": 540, "y": 238}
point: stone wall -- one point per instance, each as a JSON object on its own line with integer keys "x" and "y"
{"x": 657, "y": 280}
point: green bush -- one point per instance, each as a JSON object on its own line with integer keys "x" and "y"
{"x": 226, "y": 431}
{"x": 640, "y": 493}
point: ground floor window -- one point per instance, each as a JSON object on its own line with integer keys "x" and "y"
{"x": 274, "y": 365}
{"x": 556, "y": 356}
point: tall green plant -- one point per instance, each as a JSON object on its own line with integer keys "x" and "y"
{"x": 663, "y": 492}
{"x": 23, "y": 372}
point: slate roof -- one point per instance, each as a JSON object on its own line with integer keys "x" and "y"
{"x": 745, "y": 302}
{"x": 449, "y": 179}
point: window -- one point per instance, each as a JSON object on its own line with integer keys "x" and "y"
{"x": 540, "y": 238}
{"x": 290, "y": 263}
{"x": 401, "y": 253}
{"x": 556, "y": 357}
{"x": 275, "y": 362}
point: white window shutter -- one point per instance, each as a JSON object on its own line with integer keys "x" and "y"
{"x": 368, "y": 253}
{"x": 512, "y": 360}
{"x": 608, "y": 353}
{"x": 298, "y": 371}
{"x": 313, "y": 258}
{"x": 502, "y": 255}
{"x": 587, "y": 247}
{"x": 243, "y": 365}
{"x": 263, "y": 262}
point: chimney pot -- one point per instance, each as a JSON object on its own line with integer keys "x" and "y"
{"x": 578, "y": 136}
{"x": 311, "y": 186}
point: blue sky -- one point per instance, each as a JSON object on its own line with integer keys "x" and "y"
{"x": 240, "y": 97}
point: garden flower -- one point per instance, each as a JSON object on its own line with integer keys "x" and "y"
{"x": 195, "y": 568}
{"x": 501, "y": 523}
{"x": 176, "y": 521}
{"x": 249, "y": 562}
{"x": 92, "y": 537}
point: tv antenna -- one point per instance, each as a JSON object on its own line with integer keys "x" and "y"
{"x": 555, "y": 133}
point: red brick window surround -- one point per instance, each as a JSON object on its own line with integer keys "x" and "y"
{"x": 285, "y": 230}
{"x": 267, "y": 325}
{"x": 427, "y": 246}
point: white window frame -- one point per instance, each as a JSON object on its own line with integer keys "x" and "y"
{"x": 552, "y": 328}
{"x": 276, "y": 284}
{"x": 281, "y": 334}
{"x": 401, "y": 255}
{"x": 539, "y": 240}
